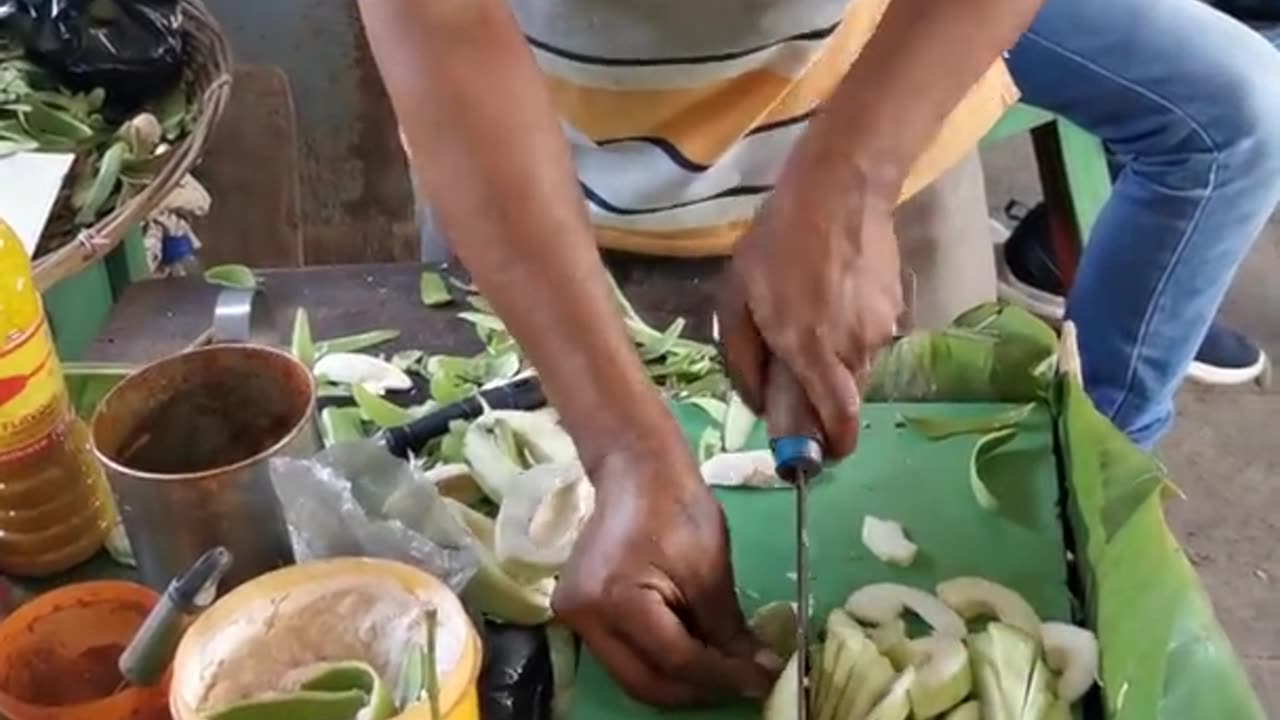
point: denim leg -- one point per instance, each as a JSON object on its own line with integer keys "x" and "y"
{"x": 1189, "y": 100}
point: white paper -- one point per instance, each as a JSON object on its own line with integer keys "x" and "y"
{"x": 29, "y": 185}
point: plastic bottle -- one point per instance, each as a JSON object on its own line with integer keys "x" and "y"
{"x": 54, "y": 506}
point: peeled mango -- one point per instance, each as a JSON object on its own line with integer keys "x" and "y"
{"x": 501, "y": 444}
{"x": 543, "y": 511}
{"x": 491, "y": 590}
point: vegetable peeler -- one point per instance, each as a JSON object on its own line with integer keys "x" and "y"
{"x": 797, "y": 456}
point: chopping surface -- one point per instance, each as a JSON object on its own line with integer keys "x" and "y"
{"x": 896, "y": 474}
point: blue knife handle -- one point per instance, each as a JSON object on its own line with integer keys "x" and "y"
{"x": 793, "y": 426}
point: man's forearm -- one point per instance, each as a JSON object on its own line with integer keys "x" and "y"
{"x": 488, "y": 152}
{"x": 923, "y": 58}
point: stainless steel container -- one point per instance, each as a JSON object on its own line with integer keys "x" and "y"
{"x": 186, "y": 443}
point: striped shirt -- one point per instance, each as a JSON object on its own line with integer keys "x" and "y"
{"x": 680, "y": 113}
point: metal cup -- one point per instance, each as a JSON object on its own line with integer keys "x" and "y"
{"x": 186, "y": 443}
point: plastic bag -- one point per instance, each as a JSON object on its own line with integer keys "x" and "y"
{"x": 132, "y": 49}
{"x": 516, "y": 680}
{"x": 357, "y": 500}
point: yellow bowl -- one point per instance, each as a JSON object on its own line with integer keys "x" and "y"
{"x": 236, "y": 622}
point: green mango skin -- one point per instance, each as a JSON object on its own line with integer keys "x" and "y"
{"x": 312, "y": 705}
{"x": 336, "y": 691}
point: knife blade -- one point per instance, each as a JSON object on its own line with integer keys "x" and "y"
{"x": 797, "y": 455}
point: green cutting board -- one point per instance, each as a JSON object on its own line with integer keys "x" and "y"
{"x": 895, "y": 474}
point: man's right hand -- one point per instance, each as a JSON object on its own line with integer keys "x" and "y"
{"x": 649, "y": 587}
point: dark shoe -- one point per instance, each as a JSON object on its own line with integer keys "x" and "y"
{"x": 1029, "y": 277}
{"x": 1227, "y": 357}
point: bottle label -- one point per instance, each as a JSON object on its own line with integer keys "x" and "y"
{"x": 32, "y": 392}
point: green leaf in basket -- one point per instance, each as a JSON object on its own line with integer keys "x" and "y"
{"x": 939, "y": 428}
{"x": 380, "y": 412}
{"x": 340, "y": 425}
{"x": 983, "y": 450}
{"x": 432, "y": 290}
{"x": 356, "y": 343}
{"x": 301, "y": 346}
{"x": 312, "y": 705}
{"x": 232, "y": 276}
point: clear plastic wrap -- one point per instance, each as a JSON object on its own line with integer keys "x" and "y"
{"x": 356, "y": 500}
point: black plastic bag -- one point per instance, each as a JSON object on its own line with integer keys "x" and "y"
{"x": 516, "y": 681}
{"x": 132, "y": 49}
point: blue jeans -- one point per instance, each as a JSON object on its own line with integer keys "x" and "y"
{"x": 1189, "y": 99}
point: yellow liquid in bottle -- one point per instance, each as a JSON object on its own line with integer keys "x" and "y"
{"x": 54, "y": 509}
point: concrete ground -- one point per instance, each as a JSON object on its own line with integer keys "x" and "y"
{"x": 1222, "y": 452}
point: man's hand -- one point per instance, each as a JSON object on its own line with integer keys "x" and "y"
{"x": 649, "y": 587}
{"x": 814, "y": 284}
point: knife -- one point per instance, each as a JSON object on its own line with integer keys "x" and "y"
{"x": 524, "y": 393}
{"x": 797, "y": 454}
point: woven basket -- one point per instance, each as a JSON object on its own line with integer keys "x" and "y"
{"x": 208, "y": 78}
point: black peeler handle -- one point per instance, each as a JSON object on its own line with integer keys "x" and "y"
{"x": 520, "y": 394}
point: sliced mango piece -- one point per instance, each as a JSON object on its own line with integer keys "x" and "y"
{"x": 775, "y": 625}
{"x": 888, "y": 541}
{"x": 896, "y": 703}
{"x": 783, "y": 699}
{"x": 975, "y": 597}
{"x": 845, "y": 649}
{"x": 971, "y": 710}
{"x": 892, "y": 642}
{"x": 871, "y": 679}
{"x": 943, "y": 676}
{"x": 1012, "y": 681}
{"x": 880, "y": 603}
{"x": 1072, "y": 652}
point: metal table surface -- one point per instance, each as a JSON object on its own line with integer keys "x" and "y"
{"x": 158, "y": 317}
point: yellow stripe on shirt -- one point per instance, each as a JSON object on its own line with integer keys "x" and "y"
{"x": 676, "y": 149}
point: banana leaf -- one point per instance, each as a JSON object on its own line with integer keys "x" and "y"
{"x": 1164, "y": 655}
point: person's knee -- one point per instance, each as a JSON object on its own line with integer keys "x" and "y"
{"x": 1249, "y": 141}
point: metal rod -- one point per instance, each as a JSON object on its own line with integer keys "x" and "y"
{"x": 802, "y": 593}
